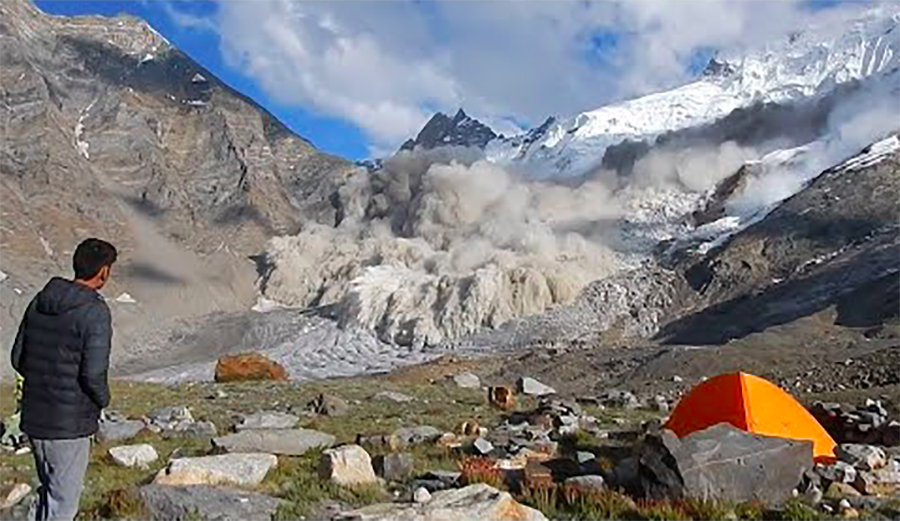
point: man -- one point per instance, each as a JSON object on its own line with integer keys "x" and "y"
{"x": 62, "y": 351}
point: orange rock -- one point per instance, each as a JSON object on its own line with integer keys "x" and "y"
{"x": 502, "y": 397}
{"x": 248, "y": 366}
{"x": 469, "y": 428}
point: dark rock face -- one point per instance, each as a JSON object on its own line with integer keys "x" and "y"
{"x": 212, "y": 503}
{"x": 833, "y": 243}
{"x": 110, "y": 131}
{"x": 723, "y": 463}
{"x": 461, "y": 130}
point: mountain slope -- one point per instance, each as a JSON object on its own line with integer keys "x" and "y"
{"x": 810, "y": 63}
{"x": 109, "y": 130}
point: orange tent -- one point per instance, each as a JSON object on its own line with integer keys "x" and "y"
{"x": 752, "y": 404}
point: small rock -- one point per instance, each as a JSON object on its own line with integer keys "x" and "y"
{"x": 119, "y": 430}
{"x": 393, "y": 396}
{"x": 849, "y": 513}
{"x": 677, "y": 379}
{"x": 21, "y": 451}
{"x": 235, "y": 469}
{"x": 134, "y": 455}
{"x": 466, "y": 381}
{"x": 584, "y": 456}
{"x": 203, "y": 429}
{"x": 395, "y": 466}
{"x": 421, "y": 495}
{"x": 170, "y": 415}
{"x": 841, "y": 472}
{"x": 660, "y": 404}
{"x": 620, "y": 399}
{"x": 267, "y": 420}
{"x": 347, "y": 465}
{"x": 483, "y": 446}
{"x": 863, "y": 457}
{"x": 587, "y": 482}
{"x": 406, "y": 436}
{"x": 329, "y": 405}
{"x": 838, "y": 490}
{"x": 248, "y": 367}
{"x": 532, "y": 387}
{"x": 16, "y": 494}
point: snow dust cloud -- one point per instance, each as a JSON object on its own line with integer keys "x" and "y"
{"x": 438, "y": 244}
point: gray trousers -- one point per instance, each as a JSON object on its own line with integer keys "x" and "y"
{"x": 61, "y": 465}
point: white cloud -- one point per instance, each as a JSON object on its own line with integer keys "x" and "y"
{"x": 387, "y": 66}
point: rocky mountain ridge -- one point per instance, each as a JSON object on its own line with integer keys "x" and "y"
{"x": 109, "y": 130}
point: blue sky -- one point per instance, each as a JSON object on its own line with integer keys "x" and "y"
{"x": 357, "y": 78}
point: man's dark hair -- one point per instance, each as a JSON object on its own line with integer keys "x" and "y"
{"x": 91, "y": 256}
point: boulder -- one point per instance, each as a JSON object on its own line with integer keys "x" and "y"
{"x": 119, "y": 430}
{"x": 13, "y": 495}
{"x": 620, "y": 399}
{"x": 395, "y": 466}
{"x": 406, "y": 436}
{"x": 838, "y": 490}
{"x": 393, "y": 396}
{"x": 164, "y": 416}
{"x": 347, "y": 465}
{"x": 863, "y": 457}
{"x": 134, "y": 455}
{"x": 329, "y": 405}
{"x": 483, "y": 446}
{"x": 248, "y": 367}
{"x": 267, "y": 420}
{"x": 592, "y": 482}
{"x": 421, "y": 495}
{"x": 721, "y": 463}
{"x": 226, "y": 469}
{"x": 502, "y": 397}
{"x": 583, "y": 457}
{"x": 222, "y": 504}
{"x": 467, "y": 381}
{"x": 660, "y": 404}
{"x": 287, "y": 442}
{"x": 882, "y": 482}
{"x": 204, "y": 429}
{"x": 480, "y": 501}
{"x": 532, "y": 387}
{"x": 840, "y": 471}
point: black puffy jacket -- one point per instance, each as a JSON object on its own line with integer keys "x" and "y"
{"x": 62, "y": 351}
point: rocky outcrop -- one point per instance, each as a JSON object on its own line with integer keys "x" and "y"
{"x": 111, "y": 131}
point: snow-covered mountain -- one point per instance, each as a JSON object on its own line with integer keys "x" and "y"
{"x": 808, "y": 64}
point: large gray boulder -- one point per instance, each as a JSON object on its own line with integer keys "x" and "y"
{"x": 722, "y": 463}
{"x": 481, "y": 502}
{"x": 210, "y": 503}
{"x": 286, "y": 442}
{"x": 224, "y": 469}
